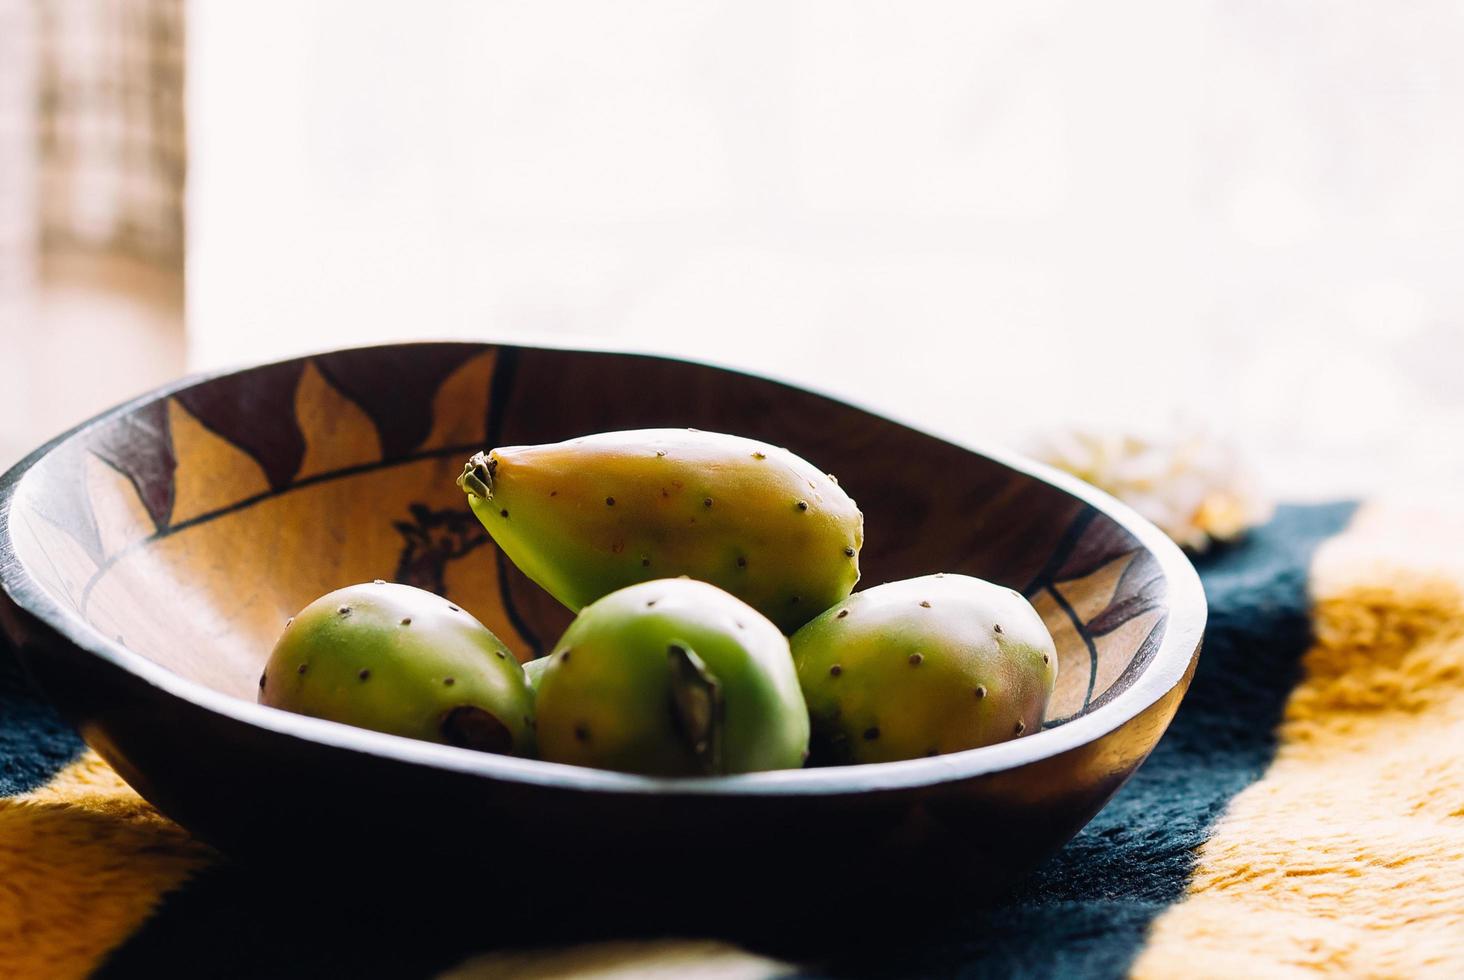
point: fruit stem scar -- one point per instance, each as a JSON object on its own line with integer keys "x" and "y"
{"x": 696, "y": 705}
{"x": 477, "y": 478}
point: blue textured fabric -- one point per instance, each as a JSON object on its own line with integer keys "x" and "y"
{"x": 1083, "y": 914}
{"x": 34, "y": 741}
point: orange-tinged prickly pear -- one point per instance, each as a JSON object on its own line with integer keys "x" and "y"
{"x": 588, "y": 516}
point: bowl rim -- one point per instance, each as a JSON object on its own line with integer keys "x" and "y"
{"x": 1177, "y": 652}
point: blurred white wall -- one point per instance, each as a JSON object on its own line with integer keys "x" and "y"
{"x": 987, "y": 217}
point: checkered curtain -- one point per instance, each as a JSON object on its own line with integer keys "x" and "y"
{"x": 19, "y": 228}
{"x": 92, "y": 148}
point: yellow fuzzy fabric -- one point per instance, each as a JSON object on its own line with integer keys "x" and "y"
{"x": 83, "y": 861}
{"x": 1348, "y": 856}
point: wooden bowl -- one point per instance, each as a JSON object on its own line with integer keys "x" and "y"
{"x": 151, "y": 556}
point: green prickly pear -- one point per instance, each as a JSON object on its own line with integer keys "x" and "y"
{"x": 586, "y": 517}
{"x": 923, "y": 667}
{"x": 397, "y": 659}
{"x": 672, "y": 678}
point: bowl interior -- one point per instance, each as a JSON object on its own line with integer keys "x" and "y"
{"x": 188, "y": 527}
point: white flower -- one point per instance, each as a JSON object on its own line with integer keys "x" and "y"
{"x": 1194, "y": 484}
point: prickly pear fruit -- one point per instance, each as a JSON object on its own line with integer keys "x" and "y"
{"x": 586, "y": 517}
{"x": 401, "y": 660}
{"x": 923, "y": 667}
{"x": 672, "y": 678}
